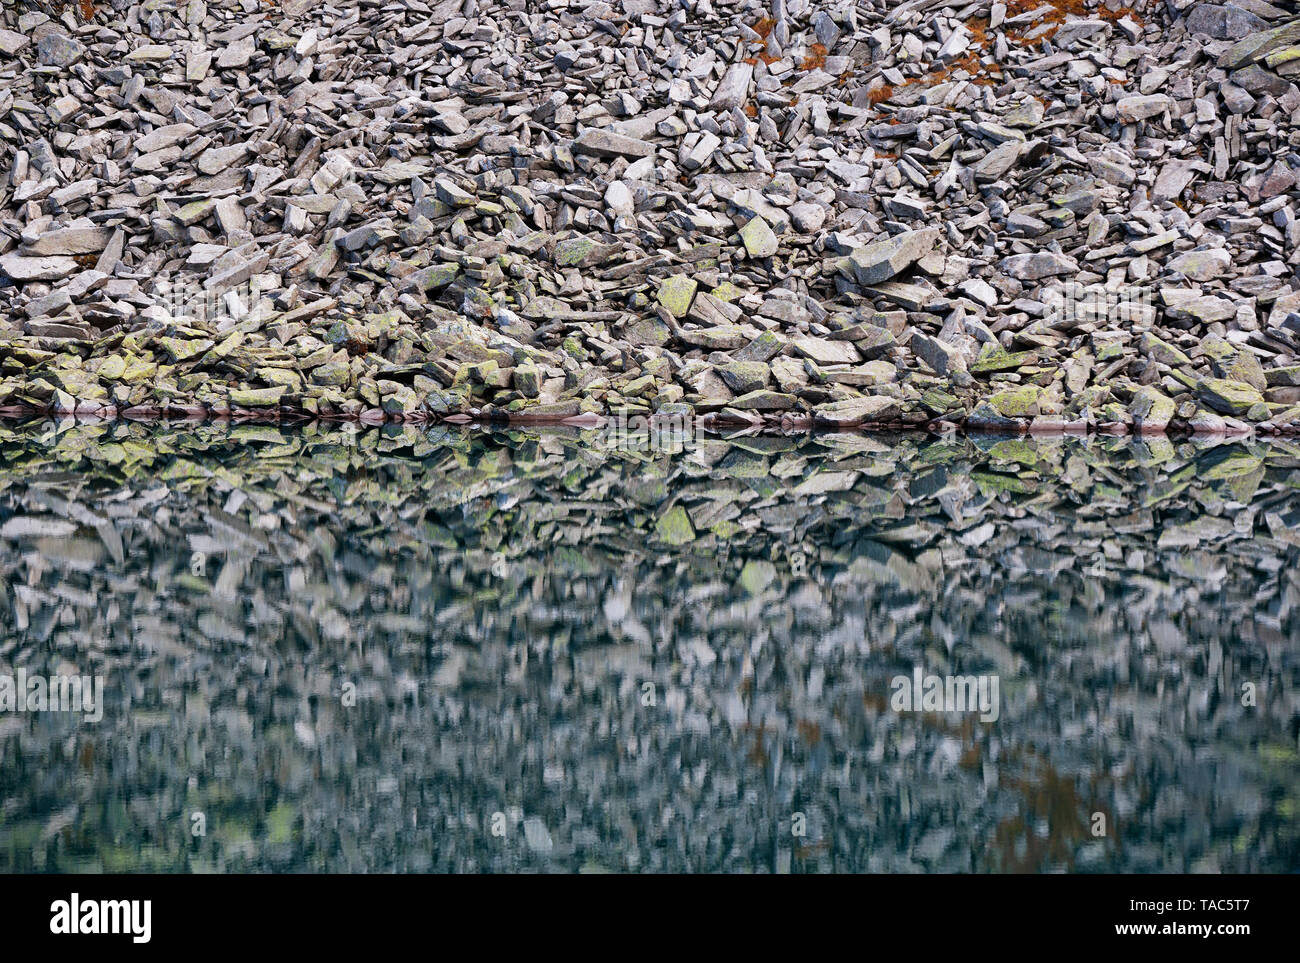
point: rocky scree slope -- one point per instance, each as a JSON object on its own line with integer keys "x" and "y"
{"x": 1042, "y": 214}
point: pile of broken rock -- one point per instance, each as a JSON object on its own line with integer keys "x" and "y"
{"x": 1041, "y": 214}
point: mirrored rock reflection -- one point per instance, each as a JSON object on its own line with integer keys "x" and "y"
{"x": 343, "y": 651}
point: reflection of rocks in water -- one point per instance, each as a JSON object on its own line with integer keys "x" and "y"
{"x": 503, "y": 604}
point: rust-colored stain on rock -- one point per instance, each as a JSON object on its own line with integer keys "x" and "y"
{"x": 987, "y": 75}
{"x": 816, "y": 58}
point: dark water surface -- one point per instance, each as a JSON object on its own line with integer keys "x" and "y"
{"x": 330, "y": 650}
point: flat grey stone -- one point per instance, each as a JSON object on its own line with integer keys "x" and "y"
{"x": 882, "y": 260}
{"x": 606, "y": 143}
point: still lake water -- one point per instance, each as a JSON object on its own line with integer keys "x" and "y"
{"x": 431, "y": 650}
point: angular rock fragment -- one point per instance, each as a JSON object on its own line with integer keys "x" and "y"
{"x": 854, "y": 412}
{"x": 606, "y": 143}
{"x": 758, "y": 238}
{"x": 1142, "y": 107}
{"x": 1038, "y": 265}
{"x": 18, "y": 267}
{"x": 733, "y": 88}
{"x": 1228, "y": 397}
{"x": 882, "y": 260}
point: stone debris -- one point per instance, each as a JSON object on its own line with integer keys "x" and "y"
{"x": 388, "y": 211}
